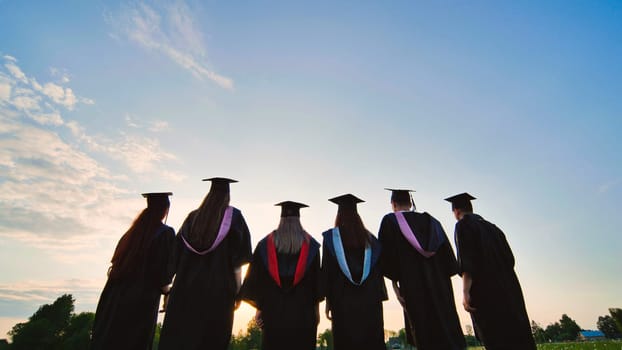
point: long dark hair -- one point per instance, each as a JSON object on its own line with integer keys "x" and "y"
{"x": 356, "y": 235}
{"x": 207, "y": 218}
{"x": 131, "y": 249}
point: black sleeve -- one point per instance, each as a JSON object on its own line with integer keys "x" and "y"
{"x": 467, "y": 247}
{"x": 177, "y": 249}
{"x": 509, "y": 256}
{"x": 242, "y": 251}
{"x": 449, "y": 259}
{"x": 315, "y": 266}
{"x": 166, "y": 248}
{"x": 324, "y": 274}
{"x": 251, "y": 287}
{"x": 389, "y": 260}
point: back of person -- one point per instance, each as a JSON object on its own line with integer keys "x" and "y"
{"x": 352, "y": 281}
{"x": 200, "y": 311}
{"x": 492, "y": 292}
{"x": 282, "y": 283}
{"x": 418, "y": 258}
{"x": 128, "y": 307}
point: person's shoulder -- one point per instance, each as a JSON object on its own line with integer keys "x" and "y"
{"x": 236, "y": 213}
{"x": 469, "y": 222}
{"x": 264, "y": 239}
{"x": 237, "y": 218}
{"x": 373, "y": 239}
{"x": 190, "y": 217}
{"x": 326, "y": 234}
{"x": 314, "y": 244}
{"x": 389, "y": 217}
{"x": 167, "y": 229}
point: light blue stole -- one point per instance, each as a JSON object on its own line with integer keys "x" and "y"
{"x": 341, "y": 258}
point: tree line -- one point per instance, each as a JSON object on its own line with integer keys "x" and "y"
{"x": 56, "y": 326}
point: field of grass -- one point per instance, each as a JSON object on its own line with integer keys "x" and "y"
{"x": 601, "y": 345}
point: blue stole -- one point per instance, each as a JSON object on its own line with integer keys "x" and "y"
{"x": 343, "y": 264}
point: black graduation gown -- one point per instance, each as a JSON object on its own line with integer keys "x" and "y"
{"x": 425, "y": 283}
{"x": 356, "y": 310}
{"x": 289, "y": 313}
{"x": 127, "y": 311}
{"x": 501, "y": 321}
{"x": 199, "y": 314}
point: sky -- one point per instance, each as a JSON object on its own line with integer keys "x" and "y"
{"x": 517, "y": 103}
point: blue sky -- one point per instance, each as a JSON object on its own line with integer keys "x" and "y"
{"x": 515, "y": 102}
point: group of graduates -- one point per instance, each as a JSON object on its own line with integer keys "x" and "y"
{"x": 286, "y": 281}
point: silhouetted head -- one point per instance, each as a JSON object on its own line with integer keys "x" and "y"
{"x": 130, "y": 251}
{"x": 401, "y": 199}
{"x": 354, "y": 233}
{"x": 290, "y": 234}
{"x": 158, "y": 203}
{"x": 208, "y": 217}
{"x": 461, "y": 204}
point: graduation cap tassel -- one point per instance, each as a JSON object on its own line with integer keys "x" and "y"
{"x": 412, "y": 201}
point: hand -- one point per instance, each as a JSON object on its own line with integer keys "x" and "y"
{"x": 466, "y": 302}
{"x": 317, "y": 314}
{"x": 258, "y": 319}
{"x": 398, "y": 294}
{"x": 401, "y": 300}
{"x": 164, "y": 303}
{"x": 328, "y": 313}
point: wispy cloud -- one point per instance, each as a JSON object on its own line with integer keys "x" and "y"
{"x": 55, "y": 195}
{"x": 139, "y": 153}
{"x": 60, "y": 95}
{"x": 172, "y": 31}
{"x": 14, "y": 69}
{"x": 5, "y": 89}
{"x": 27, "y": 94}
{"x": 158, "y": 126}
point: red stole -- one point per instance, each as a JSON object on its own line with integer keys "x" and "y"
{"x": 273, "y": 264}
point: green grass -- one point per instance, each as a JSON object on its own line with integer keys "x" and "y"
{"x": 601, "y": 345}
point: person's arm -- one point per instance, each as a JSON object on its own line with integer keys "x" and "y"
{"x": 467, "y": 282}
{"x": 398, "y": 294}
{"x": 238, "y": 284}
{"x": 166, "y": 290}
{"x": 389, "y": 259}
{"x": 317, "y": 313}
{"x": 258, "y": 319}
{"x": 327, "y": 311}
{"x": 238, "y": 279}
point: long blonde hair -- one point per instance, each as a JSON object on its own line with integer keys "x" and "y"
{"x": 207, "y": 218}
{"x": 290, "y": 234}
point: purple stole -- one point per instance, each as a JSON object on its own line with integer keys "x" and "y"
{"x": 225, "y": 225}
{"x": 410, "y": 236}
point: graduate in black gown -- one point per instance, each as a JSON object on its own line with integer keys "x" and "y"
{"x": 211, "y": 246}
{"x": 282, "y": 283}
{"x": 127, "y": 311}
{"x": 492, "y": 293}
{"x": 418, "y": 258}
{"x": 352, "y": 281}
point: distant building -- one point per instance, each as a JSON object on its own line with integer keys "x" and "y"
{"x": 591, "y": 335}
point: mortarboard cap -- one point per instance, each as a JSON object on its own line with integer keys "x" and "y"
{"x": 461, "y": 200}
{"x": 220, "y": 183}
{"x": 400, "y": 195}
{"x": 157, "y": 199}
{"x": 347, "y": 201}
{"x": 289, "y": 208}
